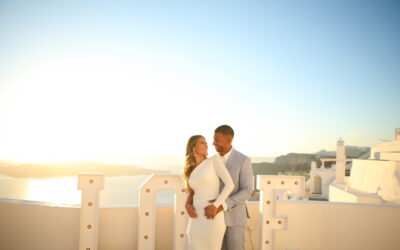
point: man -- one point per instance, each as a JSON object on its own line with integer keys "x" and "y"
{"x": 235, "y": 209}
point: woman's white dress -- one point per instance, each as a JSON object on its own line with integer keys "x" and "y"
{"x": 203, "y": 233}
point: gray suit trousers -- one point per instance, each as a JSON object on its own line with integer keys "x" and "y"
{"x": 233, "y": 238}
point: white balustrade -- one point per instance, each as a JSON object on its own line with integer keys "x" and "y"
{"x": 90, "y": 184}
{"x": 147, "y": 210}
{"x": 271, "y": 189}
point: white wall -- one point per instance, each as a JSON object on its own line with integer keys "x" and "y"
{"x": 338, "y": 194}
{"x": 32, "y": 227}
{"x": 371, "y": 176}
{"x": 339, "y": 226}
{"x": 311, "y": 226}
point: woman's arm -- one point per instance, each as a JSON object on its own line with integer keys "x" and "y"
{"x": 211, "y": 210}
{"x": 226, "y": 178}
{"x": 190, "y": 209}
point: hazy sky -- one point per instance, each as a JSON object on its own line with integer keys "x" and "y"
{"x": 109, "y": 80}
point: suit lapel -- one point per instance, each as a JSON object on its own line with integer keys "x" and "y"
{"x": 230, "y": 159}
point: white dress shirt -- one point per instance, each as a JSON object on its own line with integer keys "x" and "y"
{"x": 226, "y": 156}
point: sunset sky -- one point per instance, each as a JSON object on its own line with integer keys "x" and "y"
{"x": 111, "y": 80}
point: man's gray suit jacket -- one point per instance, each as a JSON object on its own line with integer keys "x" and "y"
{"x": 239, "y": 167}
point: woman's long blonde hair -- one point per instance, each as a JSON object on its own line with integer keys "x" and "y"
{"x": 190, "y": 162}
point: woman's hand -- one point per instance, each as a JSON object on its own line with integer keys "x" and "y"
{"x": 191, "y": 210}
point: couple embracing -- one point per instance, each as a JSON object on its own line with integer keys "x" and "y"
{"x": 218, "y": 189}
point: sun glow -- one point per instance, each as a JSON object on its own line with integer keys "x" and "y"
{"x": 71, "y": 109}
{"x": 59, "y": 190}
{"x": 79, "y": 111}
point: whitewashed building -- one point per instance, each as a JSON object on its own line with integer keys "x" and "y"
{"x": 375, "y": 180}
{"x": 321, "y": 177}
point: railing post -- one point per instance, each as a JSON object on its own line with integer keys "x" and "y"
{"x": 147, "y": 210}
{"x": 90, "y": 184}
{"x": 270, "y": 186}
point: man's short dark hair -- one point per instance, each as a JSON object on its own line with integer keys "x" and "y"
{"x": 225, "y": 130}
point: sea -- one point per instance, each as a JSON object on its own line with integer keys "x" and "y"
{"x": 118, "y": 190}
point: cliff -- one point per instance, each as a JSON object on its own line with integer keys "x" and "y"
{"x": 298, "y": 162}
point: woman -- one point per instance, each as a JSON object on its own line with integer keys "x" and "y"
{"x": 202, "y": 177}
